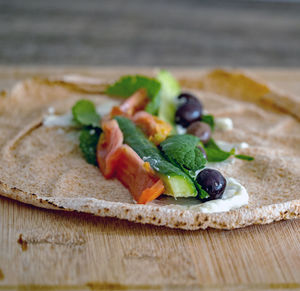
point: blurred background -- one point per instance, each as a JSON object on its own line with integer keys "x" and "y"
{"x": 150, "y": 33}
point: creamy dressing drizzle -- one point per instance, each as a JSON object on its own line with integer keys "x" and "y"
{"x": 52, "y": 120}
{"x": 235, "y": 196}
{"x": 223, "y": 124}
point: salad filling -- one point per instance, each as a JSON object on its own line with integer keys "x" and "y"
{"x": 159, "y": 140}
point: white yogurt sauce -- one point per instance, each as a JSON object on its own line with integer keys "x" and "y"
{"x": 223, "y": 124}
{"x": 65, "y": 120}
{"x": 234, "y": 196}
{"x": 180, "y": 129}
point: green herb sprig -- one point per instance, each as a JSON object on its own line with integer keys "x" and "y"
{"x": 215, "y": 154}
{"x": 88, "y": 120}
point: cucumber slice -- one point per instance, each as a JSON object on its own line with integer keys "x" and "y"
{"x": 176, "y": 182}
{"x": 170, "y": 89}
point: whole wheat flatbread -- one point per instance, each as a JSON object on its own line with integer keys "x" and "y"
{"x": 44, "y": 167}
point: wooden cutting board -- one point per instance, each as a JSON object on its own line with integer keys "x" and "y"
{"x": 42, "y": 249}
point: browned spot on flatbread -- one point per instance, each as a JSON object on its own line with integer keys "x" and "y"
{"x": 116, "y": 286}
{"x": 23, "y": 243}
{"x": 3, "y": 93}
{"x": 1, "y": 275}
{"x": 75, "y": 87}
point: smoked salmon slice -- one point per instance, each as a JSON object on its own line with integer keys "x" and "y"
{"x": 118, "y": 160}
{"x": 110, "y": 140}
{"x": 156, "y": 129}
{"x": 136, "y": 102}
{"x": 141, "y": 181}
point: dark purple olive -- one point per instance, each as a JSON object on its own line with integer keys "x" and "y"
{"x": 189, "y": 110}
{"x": 201, "y": 130}
{"x": 187, "y": 97}
{"x": 213, "y": 182}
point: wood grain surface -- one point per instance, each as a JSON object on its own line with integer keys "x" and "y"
{"x": 49, "y": 250}
{"x": 150, "y": 33}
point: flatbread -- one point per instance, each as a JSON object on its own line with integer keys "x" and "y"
{"x": 44, "y": 166}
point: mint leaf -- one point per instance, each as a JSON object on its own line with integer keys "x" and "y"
{"x": 209, "y": 119}
{"x": 84, "y": 113}
{"x": 127, "y": 85}
{"x": 244, "y": 157}
{"x": 88, "y": 144}
{"x": 182, "y": 151}
{"x": 215, "y": 154}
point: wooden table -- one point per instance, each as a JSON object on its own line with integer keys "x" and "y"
{"x": 42, "y": 249}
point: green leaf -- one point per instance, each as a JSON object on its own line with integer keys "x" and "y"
{"x": 127, "y": 85}
{"x": 182, "y": 151}
{"x": 244, "y": 157}
{"x": 215, "y": 154}
{"x": 84, "y": 113}
{"x": 209, "y": 119}
{"x": 88, "y": 143}
{"x": 170, "y": 90}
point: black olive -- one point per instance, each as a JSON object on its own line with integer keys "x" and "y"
{"x": 187, "y": 97}
{"x": 189, "y": 110}
{"x": 201, "y": 130}
{"x": 213, "y": 182}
